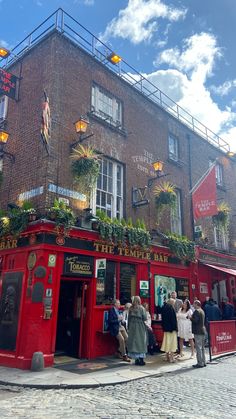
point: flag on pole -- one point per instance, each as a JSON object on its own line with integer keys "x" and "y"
{"x": 204, "y": 195}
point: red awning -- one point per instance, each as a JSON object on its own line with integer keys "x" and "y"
{"x": 221, "y": 268}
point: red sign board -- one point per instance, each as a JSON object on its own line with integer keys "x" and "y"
{"x": 204, "y": 196}
{"x": 223, "y": 336}
{"x": 8, "y": 84}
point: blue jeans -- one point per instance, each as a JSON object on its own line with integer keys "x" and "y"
{"x": 200, "y": 349}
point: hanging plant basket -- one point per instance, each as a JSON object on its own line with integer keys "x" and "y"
{"x": 165, "y": 194}
{"x": 221, "y": 219}
{"x": 85, "y": 166}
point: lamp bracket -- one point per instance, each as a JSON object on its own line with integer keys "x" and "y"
{"x": 81, "y": 139}
{"x": 151, "y": 180}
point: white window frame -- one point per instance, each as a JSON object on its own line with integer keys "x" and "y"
{"x": 221, "y": 238}
{"x": 3, "y": 107}
{"x": 106, "y": 106}
{"x": 173, "y": 154}
{"x": 176, "y": 216}
{"x": 113, "y": 210}
{"x": 219, "y": 172}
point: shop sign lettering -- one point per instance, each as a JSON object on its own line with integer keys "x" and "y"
{"x": 78, "y": 265}
{"x": 135, "y": 253}
{"x": 8, "y": 244}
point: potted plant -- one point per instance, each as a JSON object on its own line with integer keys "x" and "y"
{"x": 85, "y": 166}
{"x": 62, "y": 215}
{"x": 221, "y": 219}
{"x": 28, "y": 208}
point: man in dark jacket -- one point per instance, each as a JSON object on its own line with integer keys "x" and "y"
{"x": 118, "y": 330}
{"x": 212, "y": 311}
{"x": 228, "y": 309}
{"x": 198, "y": 329}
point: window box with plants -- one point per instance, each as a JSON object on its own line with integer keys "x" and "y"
{"x": 180, "y": 246}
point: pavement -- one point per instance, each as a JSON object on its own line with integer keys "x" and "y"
{"x": 73, "y": 373}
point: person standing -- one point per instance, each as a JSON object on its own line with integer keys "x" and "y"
{"x": 178, "y": 303}
{"x": 169, "y": 324}
{"x": 150, "y": 334}
{"x": 118, "y": 330}
{"x": 228, "y": 309}
{"x": 137, "y": 338}
{"x": 199, "y": 330}
{"x": 185, "y": 327}
{"x": 126, "y": 315}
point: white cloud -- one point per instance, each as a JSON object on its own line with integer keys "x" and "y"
{"x": 186, "y": 83}
{"x": 225, "y": 88}
{"x": 138, "y": 21}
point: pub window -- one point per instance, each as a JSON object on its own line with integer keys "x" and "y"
{"x": 221, "y": 238}
{"x": 109, "y": 193}
{"x": 127, "y": 282}
{"x": 3, "y": 107}
{"x": 106, "y": 106}
{"x": 106, "y": 287}
{"x": 176, "y": 216}
{"x": 173, "y": 148}
{"x": 219, "y": 172}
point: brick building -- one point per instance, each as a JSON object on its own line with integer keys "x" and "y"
{"x": 67, "y": 69}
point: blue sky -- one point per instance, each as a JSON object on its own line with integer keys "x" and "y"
{"x": 185, "y": 47}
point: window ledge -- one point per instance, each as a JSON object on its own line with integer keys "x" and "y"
{"x": 177, "y": 163}
{"x": 121, "y": 130}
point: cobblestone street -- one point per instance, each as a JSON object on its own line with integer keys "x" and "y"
{"x": 205, "y": 393}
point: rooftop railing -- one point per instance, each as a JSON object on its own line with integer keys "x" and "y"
{"x": 72, "y": 29}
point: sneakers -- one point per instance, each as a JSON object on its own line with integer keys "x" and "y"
{"x": 126, "y": 358}
{"x": 198, "y": 366}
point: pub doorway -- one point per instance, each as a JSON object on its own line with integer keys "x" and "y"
{"x": 71, "y": 315}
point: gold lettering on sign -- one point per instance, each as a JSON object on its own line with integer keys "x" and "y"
{"x": 8, "y": 244}
{"x": 131, "y": 252}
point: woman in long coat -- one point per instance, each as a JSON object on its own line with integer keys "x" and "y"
{"x": 137, "y": 336}
{"x": 169, "y": 325}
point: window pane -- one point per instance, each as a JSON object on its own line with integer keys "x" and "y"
{"x": 106, "y": 288}
{"x": 173, "y": 148}
{"x": 127, "y": 282}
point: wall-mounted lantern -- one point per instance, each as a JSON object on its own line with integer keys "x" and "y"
{"x": 81, "y": 128}
{"x": 3, "y": 140}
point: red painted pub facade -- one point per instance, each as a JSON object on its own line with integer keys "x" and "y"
{"x": 53, "y": 302}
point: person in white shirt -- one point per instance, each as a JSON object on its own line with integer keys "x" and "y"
{"x": 185, "y": 327}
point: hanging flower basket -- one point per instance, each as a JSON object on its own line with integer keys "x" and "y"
{"x": 85, "y": 166}
{"x": 221, "y": 219}
{"x": 165, "y": 194}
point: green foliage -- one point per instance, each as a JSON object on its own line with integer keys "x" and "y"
{"x": 165, "y": 196}
{"x": 221, "y": 219}
{"x": 181, "y": 246}
{"x": 85, "y": 167}
{"x": 117, "y": 232}
{"x": 61, "y": 214}
{"x": 14, "y": 222}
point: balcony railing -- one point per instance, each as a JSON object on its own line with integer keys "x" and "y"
{"x": 72, "y": 29}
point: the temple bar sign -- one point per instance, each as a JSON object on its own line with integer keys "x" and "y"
{"x": 78, "y": 265}
{"x": 8, "y": 84}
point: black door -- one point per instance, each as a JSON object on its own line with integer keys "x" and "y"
{"x": 69, "y": 314}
